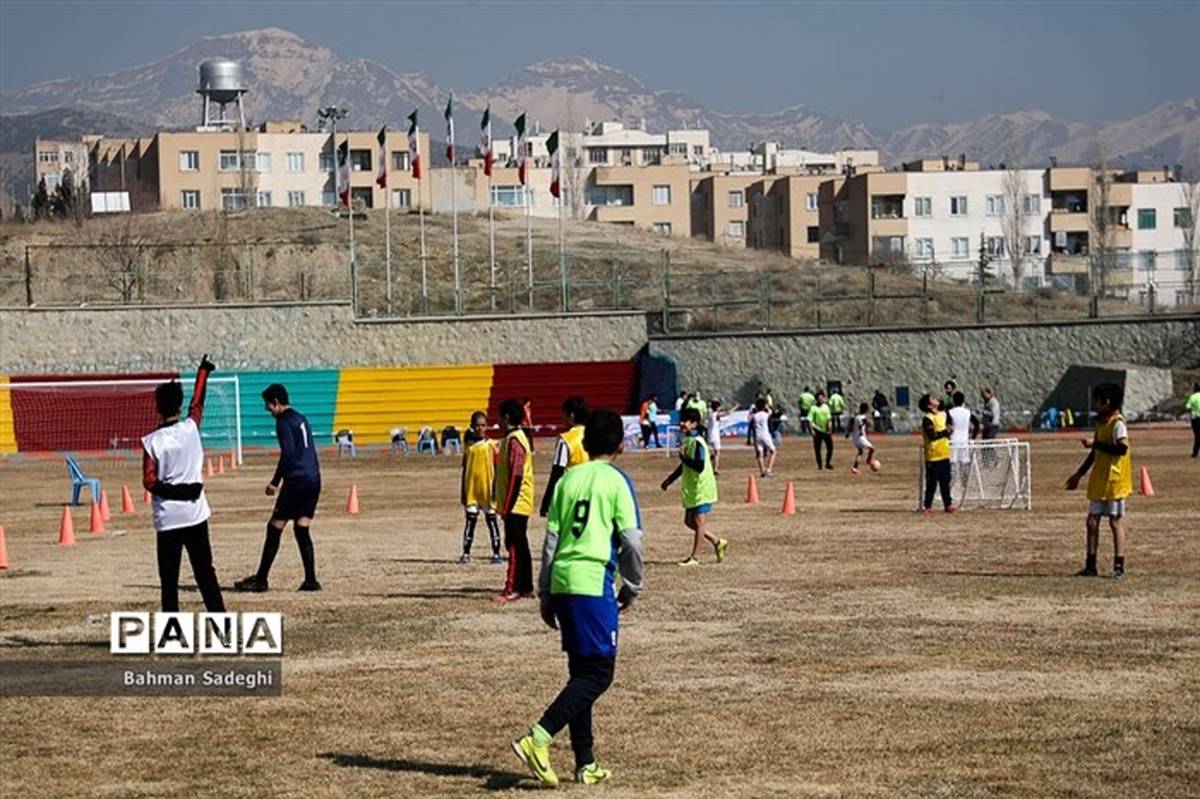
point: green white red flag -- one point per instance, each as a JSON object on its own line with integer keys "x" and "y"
{"x": 520, "y": 126}
{"x": 381, "y": 175}
{"x": 343, "y": 173}
{"x": 414, "y": 145}
{"x": 555, "y": 164}
{"x": 450, "y": 128}
{"x": 485, "y": 140}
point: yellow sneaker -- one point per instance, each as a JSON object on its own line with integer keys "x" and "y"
{"x": 591, "y": 774}
{"x": 689, "y": 563}
{"x": 722, "y": 545}
{"x": 537, "y": 758}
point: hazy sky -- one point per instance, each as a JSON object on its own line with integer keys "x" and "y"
{"x": 884, "y": 63}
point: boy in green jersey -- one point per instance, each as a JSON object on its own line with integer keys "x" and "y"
{"x": 593, "y": 529}
{"x": 699, "y": 491}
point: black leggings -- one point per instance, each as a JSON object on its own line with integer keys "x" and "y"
{"x": 520, "y": 563}
{"x": 937, "y": 476}
{"x": 171, "y": 544}
{"x": 1196, "y": 436}
{"x": 650, "y": 431}
{"x": 590, "y": 677}
{"x": 823, "y": 440}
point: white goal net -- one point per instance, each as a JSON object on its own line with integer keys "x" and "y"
{"x": 993, "y": 475}
{"x": 110, "y": 416}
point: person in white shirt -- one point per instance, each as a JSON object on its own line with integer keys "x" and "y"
{"x": 858, "y": 437}
{"x": 713, "y": 431}
{"x": 964, "y": 425}
{"x": 764, "y": 445}
{"x": 173, "y": 473}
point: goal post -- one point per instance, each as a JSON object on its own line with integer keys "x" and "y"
{"x": 987, "y": 475}
{"x": 112, "y": 415}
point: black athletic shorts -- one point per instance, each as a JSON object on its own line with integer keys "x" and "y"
{"x": 296, "y": 501}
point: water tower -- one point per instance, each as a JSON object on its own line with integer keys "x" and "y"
{"x": 221, "y": 83}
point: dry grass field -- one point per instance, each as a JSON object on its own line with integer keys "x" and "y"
{"x": 854, "y": 649}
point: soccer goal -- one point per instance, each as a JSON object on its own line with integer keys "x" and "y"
{"x": 113, "y": 415}
{"x": 990, "y": 475}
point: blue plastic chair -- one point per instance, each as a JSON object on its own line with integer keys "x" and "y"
{"x": 79, "y": 480}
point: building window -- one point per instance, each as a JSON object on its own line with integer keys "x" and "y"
{"x": 736, "y": 199}
{"x": 924, "y": 248}
{"x": 329, "y": 199}
{"x": 814, "y": 234}
{"x": 609, "y": 195}
{"x": 810, "y": 201}
{"x": 295, "y": 199}
{"x": 52, "y": 179}
{"x": 325, "y": 162}
{"x": 360, "y": 160}
{"x": 264, "y": 162}
{"x": 994, "y": 246}
{"x": 190, "y": 199}
{"x": 264, "y": 199}
{"x": 295, "y": 162}
{"x": 400, "y": 162}
{"x": 1148, "y": 260}
{"x": 697, "y": 150}
{"x": 993, "y": 205}
{"x": 923, "y": 207}
{"x": 662, "y": 228}
{"x": 960, "y": 247}
{"x": 958, "y": 205}
{"x": 662, "y": 195}
{"x": 48, "y": 156}
{"x": 737, "y": 229}
{"x": 508, "y": 196}
{"x": 1033, "y": 204}
{"x": 1033, "y": 245}
{"x": 402, "y": 198}
{"x": 597, "y": 155}
{"x": 189, "y": 161}
{"x": 1183, "y": 218}
{"x": 68, "y": 157}
{"x": 229, "y": 161}
{"x": 677, "y": 148}
{"x": 884, "y": 245}
{"x": 651, "y": 155}
{"x": 361, "y": 196}
{"x": 1147, "y": 218}
{"x": 232, "y": 200}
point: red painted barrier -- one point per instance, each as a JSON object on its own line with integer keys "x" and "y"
{"x": 604, "y": 384}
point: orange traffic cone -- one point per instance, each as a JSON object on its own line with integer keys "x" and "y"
{"x": 352, "y": 500}
{"x": 233, "y": 461}
{"x": 752, "y": 491}
{"x": 66, "y": 528}
{"x": 1147, "y": 488}
{"x": 97, "y": 525}
{"x": 789, "y": 501}
{"x": 126, "y": 500}
{"x": 209, "y": 470}
{"x": 145, "y": 497}
{"x": 3, "y": 549}
{"x": 220, "y": 464}
{"x": 105, "y": 513}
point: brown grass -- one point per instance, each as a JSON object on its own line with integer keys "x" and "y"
{"x": 853, "y": 649}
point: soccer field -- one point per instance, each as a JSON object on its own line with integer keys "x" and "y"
{"x": 852, "y": 649}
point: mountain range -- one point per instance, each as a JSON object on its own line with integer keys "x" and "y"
{"x": 290, "y": 78}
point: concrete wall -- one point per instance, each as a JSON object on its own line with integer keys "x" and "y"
{"x": 296, "y": 337}
{"x": 1022, "y": 362}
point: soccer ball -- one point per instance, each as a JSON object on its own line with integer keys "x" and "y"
{"x": 876, "y": 465}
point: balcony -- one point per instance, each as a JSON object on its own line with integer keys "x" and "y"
{"x": 1070, "y": 178}
{"x": 1067, "y": 221}
{"x": 889, "y": 227}
{"x": 1064, "y": 264}
{"x": 887, "y": 206}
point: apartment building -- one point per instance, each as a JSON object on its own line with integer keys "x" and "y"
{"x": 720, "y": 207}
{"x": 655, "y": 198}
{"x": 613, "y": 144}
{"x": 785, "y": 214}
{"x": 55, "y": 157}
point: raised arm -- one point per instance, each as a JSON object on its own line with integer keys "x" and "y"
{"x": 196, "y": 409}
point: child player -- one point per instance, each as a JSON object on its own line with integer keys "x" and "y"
{"x": 514, "y": 497}
{"x": 713, "y": 431}
{"x": 300, "y": 475}
{"x": 568, "y": 450}
{"x": 764, "y": 442}
{"x": 593, "y": 530}
{"x": 173, "y": 473}
{"x": 935, "y": 437}
{"x": 699, "y": 491}
{"x": 858, "y": 437}
{"x": 1111, "y": 481}
{"x": 478, "y": 481}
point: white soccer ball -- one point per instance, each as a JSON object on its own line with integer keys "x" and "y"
{"x": 876, "y": 465}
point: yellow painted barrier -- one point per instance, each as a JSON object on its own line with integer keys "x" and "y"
{"x": 373, "y": 401}
{"x": 8, "y": 434}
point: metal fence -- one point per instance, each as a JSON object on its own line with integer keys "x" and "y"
{"x": 678, "y": 292}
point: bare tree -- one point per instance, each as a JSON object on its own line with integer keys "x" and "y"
{"x": 1015, "y": 215}
{"x": 573, "y": 161}
{"x": 1101, "y": 244}
{"x": 121, "y": 252}
{"x": 1188, "y": 175}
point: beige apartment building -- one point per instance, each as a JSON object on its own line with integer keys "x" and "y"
{"x": 720, "y": 207}
{"x": 785, "y": 216}
{"x": 655, "y": 198}
{"x": 55, "y": 157}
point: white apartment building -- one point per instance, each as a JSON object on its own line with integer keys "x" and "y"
{"x": 613, "y": 144}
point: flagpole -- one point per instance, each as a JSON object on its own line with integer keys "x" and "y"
{"x": 492, "y": 242}
{"x": 350, "y": 205}
{"x": 454, "y": 211}
{"x": 529, "y": 235}
{"x": 562, "y": 254}
{"x": 424, "y": 271}
{"x": 387, "y": 227}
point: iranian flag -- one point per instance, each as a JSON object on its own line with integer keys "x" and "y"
{"x": 485, "y": 140}
{"x": 555, "y": 164}
{"x": 450, "y": 128}
{"x": 343, "y": 173}
{"x": 381, "y": 176}
{"x": 520, "y": 126}
{"x": 414, "y": 145}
